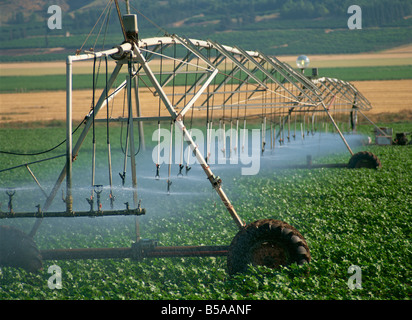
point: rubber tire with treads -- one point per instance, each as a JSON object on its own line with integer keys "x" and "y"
{"x": 18, "y": 250}
{"x": 269, "y": 243}
{"x": 364, "y": 159}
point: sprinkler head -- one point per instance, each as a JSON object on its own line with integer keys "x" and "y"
{"x": 180, "y": 174}
{"x": 10, "y": 193}
{"x": 302, "y": 62}
{"x": 188, "y": 169}
{"x": 157, "y": 176}
{"x": 98, "y": 188}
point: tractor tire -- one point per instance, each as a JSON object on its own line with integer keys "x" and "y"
{"x": 364, "y": 159}
{"x": 18, "y": 250}
{"x": 401, "y": 139}
{"x": 269, "y": 243}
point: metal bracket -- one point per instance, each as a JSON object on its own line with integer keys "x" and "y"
{"x": 141, "y": 247}
{"x": 216, "y": 181}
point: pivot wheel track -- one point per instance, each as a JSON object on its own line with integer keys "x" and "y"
{"x": 17, "y": 249}
{"x": 364, "y": 159}
{"x": 269, "y": 243}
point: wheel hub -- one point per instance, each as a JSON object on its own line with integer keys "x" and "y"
{"x": 270, "y": 255}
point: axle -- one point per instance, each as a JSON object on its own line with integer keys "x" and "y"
{"x": 138, "y": 251}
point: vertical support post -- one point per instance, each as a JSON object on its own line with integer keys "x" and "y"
{"x": 69, "y": 141}
{"x": 169, "y": 182}
{"x": 131, "y": 145}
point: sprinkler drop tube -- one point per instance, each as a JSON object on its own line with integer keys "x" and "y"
{"x": 215, "y": 181}
{"x": 244, "y": 135}
{"x": 169, "y": 182}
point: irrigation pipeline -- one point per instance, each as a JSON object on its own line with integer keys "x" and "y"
{"x": 64, "y": 214}
{"x": 138, "y": 251}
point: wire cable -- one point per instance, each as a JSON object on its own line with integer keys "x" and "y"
{"x": 40, "y": 152}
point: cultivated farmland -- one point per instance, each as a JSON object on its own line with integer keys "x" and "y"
{"x": 349, "y": 217}
{"x": 386, "y": 96}
{"x": 390, "y": 96}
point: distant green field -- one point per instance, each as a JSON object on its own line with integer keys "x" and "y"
{"x": 84, "y": 81}
{"x": 296, "y": 38}
{"x": 368, "y": 73}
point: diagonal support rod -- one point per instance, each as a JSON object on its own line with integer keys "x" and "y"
{"x": 215, "y": 181}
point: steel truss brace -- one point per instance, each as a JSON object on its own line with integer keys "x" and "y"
{"x": 178, "y": 117}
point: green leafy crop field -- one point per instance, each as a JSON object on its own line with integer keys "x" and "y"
{"x": 349, "y": 217}
{"x": 31, "y": 83}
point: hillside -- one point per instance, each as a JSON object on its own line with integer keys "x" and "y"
{"x": 277, "y": 27}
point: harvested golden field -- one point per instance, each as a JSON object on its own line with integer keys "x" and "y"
{"x": 396, "y": 56}
{"x": 392, "y": 96}
{"x": 389, "y": 96}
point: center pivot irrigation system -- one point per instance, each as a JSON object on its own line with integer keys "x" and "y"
{"x": 227, "y": 86}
